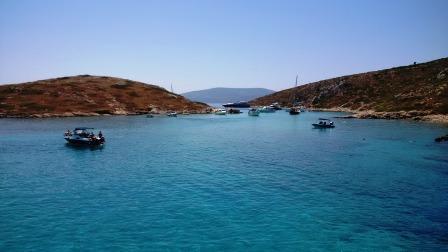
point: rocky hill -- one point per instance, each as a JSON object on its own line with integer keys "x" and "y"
{"x": 407, "y": 91}
{"x": 87, "y": 95}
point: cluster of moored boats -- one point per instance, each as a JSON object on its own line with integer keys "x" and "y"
{"x": 233, "y": 108}
{"x": 295, "y": 110}
{"x": 85, "y": 136}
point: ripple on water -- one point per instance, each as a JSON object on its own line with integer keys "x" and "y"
{"x": 224, "y": 183}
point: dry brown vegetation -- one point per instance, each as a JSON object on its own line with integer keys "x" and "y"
{"x": 420, "y": 87}
{"x": 86, "y": 95}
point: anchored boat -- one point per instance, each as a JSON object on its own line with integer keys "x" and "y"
{"x": 267, "y": 109}
{"x": 82, "y": 136}
{"x": 234, "y": 111}
{"x": 276, "y": 106}
{"x": 220, "y": 112}
{"x": 253, "y": 112}
{"x": 324, "y": 123}
{"x": 241, "y": 104}
{"x": 294, "y": 110}
{"x": 172, "y": 114}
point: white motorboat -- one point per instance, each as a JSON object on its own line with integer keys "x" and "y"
{"x": 294, "y": 111}
{"x": 276, "y": 106}
{"x": 220, "y": 112}
{"x": 253, "y": 112}
{"x": 267, "y": 109}
{"x": 82, "y": 136}
{"x": 171, "y": 114}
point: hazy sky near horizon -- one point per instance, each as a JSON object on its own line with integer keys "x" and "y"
{"x": 202, "y": 44}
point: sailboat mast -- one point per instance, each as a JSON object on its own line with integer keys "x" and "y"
{"x": 172, "y": 87}
{"x": 294, "y": 92}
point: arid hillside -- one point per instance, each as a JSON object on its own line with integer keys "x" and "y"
{"x": 421, "y": 89}
{"x": 87, "y": 95}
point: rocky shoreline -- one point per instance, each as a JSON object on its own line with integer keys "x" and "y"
{"x": 396, "y": 115}
{"x": 354, "y": 114}
{"x": 90, "y": 114}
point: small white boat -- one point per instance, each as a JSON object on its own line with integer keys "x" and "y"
{"x": 267, "y": 109}
{"x": 171, "y": 114}
{"x": 220, "y": 112}
{"x": 276, "y": 106}
{"x": 294, "y": 111}
{"x": 253, "y": 112}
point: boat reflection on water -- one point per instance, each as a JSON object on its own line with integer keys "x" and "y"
{"x": 81, "y": 147}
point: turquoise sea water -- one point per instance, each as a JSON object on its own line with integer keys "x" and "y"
{"x": 227, "y": 183}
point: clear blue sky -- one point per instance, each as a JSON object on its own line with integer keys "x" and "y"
{"x": 201, "y": 44}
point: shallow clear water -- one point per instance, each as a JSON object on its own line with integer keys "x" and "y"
{"x": 230, "y": 182}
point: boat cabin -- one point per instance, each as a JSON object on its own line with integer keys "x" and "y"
{"x": 324, "y": 123}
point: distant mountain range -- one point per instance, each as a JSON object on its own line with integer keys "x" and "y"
{"x": 224, "y": 95}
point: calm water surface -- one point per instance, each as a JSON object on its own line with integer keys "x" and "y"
{"x": 230, "y": 182}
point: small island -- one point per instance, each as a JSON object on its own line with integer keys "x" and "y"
{"x": 87, "y": 95}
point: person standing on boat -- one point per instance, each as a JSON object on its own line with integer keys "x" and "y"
{"x": 100, "y": 134}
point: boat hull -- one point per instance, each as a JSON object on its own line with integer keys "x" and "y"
{"x": 85, "y": 141}
{"x": 320, "y": 126}
{"x": 267, "y": 110}
{"x": 237, "y": 105}
{"x": 234, "y": 111}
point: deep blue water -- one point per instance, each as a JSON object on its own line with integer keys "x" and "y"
{"x": 230, "y": 183}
